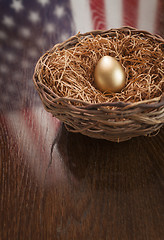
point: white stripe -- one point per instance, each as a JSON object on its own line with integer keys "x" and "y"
{"x": 46, "y": 127}
{"x": 147, "y": 15}
{"x": 82, "y": 15}
{"x": 20, "y": 130}
{"x": 114, "y": 16}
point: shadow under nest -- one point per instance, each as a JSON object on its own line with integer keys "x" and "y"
{"x": 102, "y": 164}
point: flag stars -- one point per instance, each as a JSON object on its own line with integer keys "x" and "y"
{"x": 41, "y": 42}
{"x": 11, "y": 88}
{"x": 17, "y": 76}
{"x": 49, "y": 28}
{"x": 3, "y": 35}
{"x": 43, "y": 2}
{"x": 10, "y": 57}
{"x": 26, "y": 63}
{"x": 34, "y": 17}
{"x": 3, "y": 68}
{"x": 17, "y": 44}
{"x": 33, "y": 52}
{"x": 25, "y": 32}
{"x": 64, "y": 36}
{"x": 17, "y": 5}
{"x": 59, "y": 11}
{"x": 8, "y": 21}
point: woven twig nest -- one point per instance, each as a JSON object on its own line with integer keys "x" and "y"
{"x": 64, "y": 78}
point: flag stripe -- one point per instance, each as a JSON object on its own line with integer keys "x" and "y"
{"x": 81, "y": 15}
{"x": 26, "y": 127}
{"x": 130, "y": 13}
{"x": 19, "y": 129}
{"x": 147, "y": 15}
{"x": 113, "y": 11}
{"x": 98, "y": 14}
{"x": 43, "y": 128}
{"x": 159, "y": 16}
{"x": 34, "y": 130}
{"x": 47, "y": 125}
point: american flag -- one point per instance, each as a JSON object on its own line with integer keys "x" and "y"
{"x": 27, "y": 29}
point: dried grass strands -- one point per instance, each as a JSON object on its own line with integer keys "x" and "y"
{"x": 70, "y": 72}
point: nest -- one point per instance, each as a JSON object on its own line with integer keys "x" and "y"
{"x": 64, "y": 78}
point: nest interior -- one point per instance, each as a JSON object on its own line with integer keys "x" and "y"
{"x": 68, "y": 70}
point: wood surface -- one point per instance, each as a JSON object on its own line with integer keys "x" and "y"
{"x": 82, "y": 188}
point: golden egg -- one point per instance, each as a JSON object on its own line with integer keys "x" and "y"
{"x": 109, "y": 75}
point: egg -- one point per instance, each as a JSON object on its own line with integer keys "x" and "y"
{"x": 109, "y": 75}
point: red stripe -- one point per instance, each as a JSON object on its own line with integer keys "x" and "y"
{"x": 130, "y": 12}
{"x": 33, "y": 129}
{"x": 37, "y": 133}
{"x": 159, "y": 24}
{"x": 98, "y": 14}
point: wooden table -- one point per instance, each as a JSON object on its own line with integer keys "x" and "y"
{"x": 59, "y": 185}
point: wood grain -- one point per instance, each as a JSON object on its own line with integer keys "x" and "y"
{"x": 92, "y": 189}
